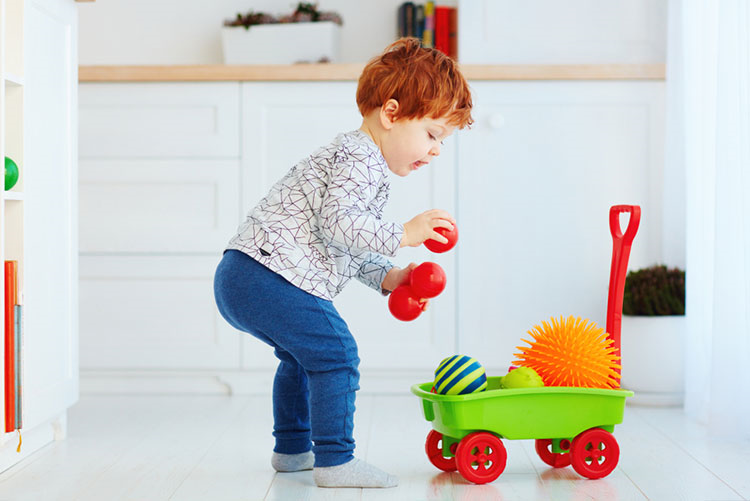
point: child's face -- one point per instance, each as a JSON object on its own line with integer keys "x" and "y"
{"x": 413, "y": 143}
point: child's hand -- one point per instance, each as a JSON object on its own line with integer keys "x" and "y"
{"x": 400, "y": 276}
{"x": 422, "y": 227}
{"x": 397, "y": 276}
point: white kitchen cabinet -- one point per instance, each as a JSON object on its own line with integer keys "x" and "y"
{"x": 159, "y": 196}
{"x": 530, "y": 184}
{"x": 536, "y": 177}
{"x": 38, "y": 64}
{"x": 155, "y": 227}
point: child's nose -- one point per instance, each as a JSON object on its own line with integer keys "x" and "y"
{"x": 435, "y": 150}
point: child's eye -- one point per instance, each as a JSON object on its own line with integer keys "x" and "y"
{"x": 434, "y": 138}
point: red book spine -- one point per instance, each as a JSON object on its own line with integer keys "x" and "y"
{"x": 10, "y": 349}
{"x": 442, "y": 29}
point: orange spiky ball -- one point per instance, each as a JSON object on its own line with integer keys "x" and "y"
{"x": 571, "y": 352}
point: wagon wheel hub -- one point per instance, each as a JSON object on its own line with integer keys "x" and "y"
{"x": 481, "y": 458}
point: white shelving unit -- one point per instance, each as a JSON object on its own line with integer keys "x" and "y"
{"x": 12, "y": 146}
{"x": 38, "y": 216}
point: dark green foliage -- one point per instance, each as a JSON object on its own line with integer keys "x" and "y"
{"x": 305, "y": 12}
{"x": 654, "y": 291}
{"x": 309, "y": 9}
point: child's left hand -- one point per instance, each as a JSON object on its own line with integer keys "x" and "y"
{"x": 399, "y": 276}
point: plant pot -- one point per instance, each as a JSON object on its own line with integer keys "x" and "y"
{"x": 653, "y": 359}
{"x": 282, "y": 43}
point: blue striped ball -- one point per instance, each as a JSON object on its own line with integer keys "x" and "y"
{"x": 459, "y": 375}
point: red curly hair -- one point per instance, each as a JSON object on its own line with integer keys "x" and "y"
{"x": 425, "y": 82}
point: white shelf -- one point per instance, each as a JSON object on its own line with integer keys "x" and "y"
{"x": 12, "y": 79}
{"x": 14, "y": 195}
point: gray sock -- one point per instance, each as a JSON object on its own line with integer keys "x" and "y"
{"x": 292, "y": 462}
{"x": 355, "y": 473}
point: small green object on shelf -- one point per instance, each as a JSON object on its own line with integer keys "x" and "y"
{"x": 11, "y": 173}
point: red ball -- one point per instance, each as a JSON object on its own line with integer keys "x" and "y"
{"x": 427, "y": 280}
{"x": 404, "y": 304}
{"x": 436, "y": 246}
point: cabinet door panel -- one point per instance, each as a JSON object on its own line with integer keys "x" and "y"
{"x": 142, "y": 120}
{"x": 179, "y": 206}
{"x": 153, "y": 312}
{"x": 283, "y": 123}
{"x": 537, "y": 175}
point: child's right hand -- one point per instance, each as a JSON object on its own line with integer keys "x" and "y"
{"x": 422, "y": 227}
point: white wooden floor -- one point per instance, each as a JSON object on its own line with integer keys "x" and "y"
{"x": 218, "y": 448}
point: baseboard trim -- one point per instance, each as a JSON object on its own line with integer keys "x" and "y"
{"x": 250, "y": 382}
{"x": 653, "y": 399}
{"x": 34, "y": 439}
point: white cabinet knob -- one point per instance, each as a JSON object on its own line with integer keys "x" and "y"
{"x": 497, "y": 121}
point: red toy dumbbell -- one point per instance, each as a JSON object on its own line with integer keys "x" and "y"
{"x": 427, "y": 280}
{"x": 452, "y": 237}
{"x": 404, "y": 304}
{"x": 407, "y": 301}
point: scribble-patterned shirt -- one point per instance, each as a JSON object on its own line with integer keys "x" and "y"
{"x": 321, "y": 224}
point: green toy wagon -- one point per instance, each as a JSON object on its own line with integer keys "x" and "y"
{"x": 570, "y": 425}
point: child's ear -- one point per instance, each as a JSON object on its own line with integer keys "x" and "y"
{"x": 388, "y": 113}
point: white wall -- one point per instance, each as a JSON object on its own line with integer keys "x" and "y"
{"x": 188, "y": 31}
{"x": 490, "y": 31}
{"x": 555, "y": 32}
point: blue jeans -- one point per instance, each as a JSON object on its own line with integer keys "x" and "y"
{"x": 317, "y": 377}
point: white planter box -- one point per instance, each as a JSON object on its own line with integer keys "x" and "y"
{"x": 283, "y": 43}
{"x": 653, "y": 359}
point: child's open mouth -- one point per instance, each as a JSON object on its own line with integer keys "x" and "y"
{"x": 416, "y": 165}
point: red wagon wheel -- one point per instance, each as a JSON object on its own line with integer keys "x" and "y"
{"x": 594, "y": 453}
{"x": 554, "y": 459}
{"x": 481, "y": 457}
{"x": 434, "y": 449}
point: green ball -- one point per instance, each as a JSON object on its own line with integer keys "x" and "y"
{"x": 11, "y": 173}
{"x": 522, "y": 377}
{"x": 459, "y": 375}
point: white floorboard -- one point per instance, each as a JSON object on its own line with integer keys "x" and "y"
{"x": 186, "y": 448}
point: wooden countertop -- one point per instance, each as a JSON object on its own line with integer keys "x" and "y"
{"x": 333, "y": 72}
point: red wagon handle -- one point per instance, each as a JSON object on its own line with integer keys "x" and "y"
{"x": 620, "y": 253}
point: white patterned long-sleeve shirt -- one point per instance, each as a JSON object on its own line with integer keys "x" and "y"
{"x": 321, "y": 224}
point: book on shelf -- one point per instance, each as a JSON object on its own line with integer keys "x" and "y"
{"x": 453, "y": 33}
{"x": 419, "y": 21}
{"x": 428, "y": 32}
{"x": 435, "y": 25}
{"x": 18, "y": 341}
{"x": 442, "y": 29}
{"x": 13, "y": 348}
{"x": 406, "y": 19}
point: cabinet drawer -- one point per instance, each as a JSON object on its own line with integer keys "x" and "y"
{"x": 137, "y": 120}
{"x": 158, "y": 205}
{"x": 154, "y": 313}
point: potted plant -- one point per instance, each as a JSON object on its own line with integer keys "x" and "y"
{"x": 653, "y": 327}
{"x": 306, "y": 35}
